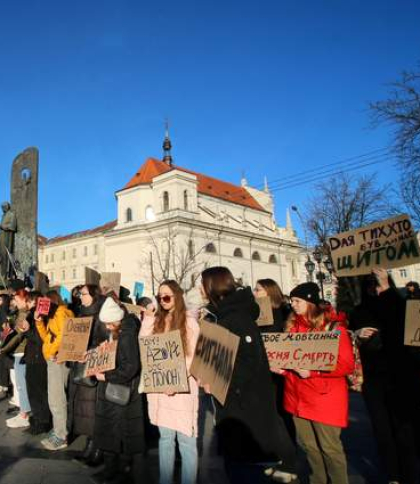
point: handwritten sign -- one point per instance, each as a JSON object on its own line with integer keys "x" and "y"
{"x": 101, "y": 359}
{"x": 214, "y": 358}
{"x": 138, "y": 289}
{"x": 133, "y": 309}
{"x": 110, "y": 281}
{"x": 91, "y": 276}
{"x": 266, "y": 317}
{"x": 75, "y": 339}
{"x": 43, "y": 306}
{"x": 308, "y": 351}
{"x": 387, "y": 244}
{"x": 41, "y": 282}
{"x": 412, "y": 323}
{"x": 163, "y": 363}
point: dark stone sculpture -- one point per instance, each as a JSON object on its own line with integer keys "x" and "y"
{"x": 24, "y": 201}
{"x": 8, "y": 227}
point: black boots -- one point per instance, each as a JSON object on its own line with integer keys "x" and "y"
{"x": 91, "y": 455}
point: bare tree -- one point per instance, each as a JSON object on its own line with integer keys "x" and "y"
{"x": 401, "y": 110}
{"x": 175, "y": 259}
{"x": 344, "y": 203}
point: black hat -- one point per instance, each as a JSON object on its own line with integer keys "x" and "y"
{"x": 309, "y": 291}
{"x": 16, "y": 284}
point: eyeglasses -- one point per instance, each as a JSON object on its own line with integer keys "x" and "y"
{"x": 166, "y": 298}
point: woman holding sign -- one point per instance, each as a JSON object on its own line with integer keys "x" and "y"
{"x": 176, "y": 414}
{"x": 51, "y": 334}
{"x": 249, "y": 429}
{"x": 318, "y": 400}
{"x": 118, "y": 427}
{"x": 391, "y": 375}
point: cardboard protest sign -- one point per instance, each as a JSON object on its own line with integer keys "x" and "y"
{"x": 266, "y": 317}
{"x": 76, "y": 332}
{"x": 214, "y": 358}
{"x": 101, "y": 359}
{"x": 43, "y": 305}
{"x": 41, "y": 282}
{"x": 308, "y": 351}
{"x": 92, "y": 276}
{"x": 138, "y": 290}
{"x": 133, "y": 309}
{"x": 388, "y": 244}
{"x": 163, "y": 363}
{"x": 412, "y": 323}
{"x": 110, "y": 281}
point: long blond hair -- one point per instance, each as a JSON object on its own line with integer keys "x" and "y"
{"x": 178, "y": 319}
{"x": 315, "y": 317}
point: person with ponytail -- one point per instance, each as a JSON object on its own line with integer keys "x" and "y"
{"x": 318, "y": 400}
{"x": 251, "y": 434}
{"x": 176, "y": 414}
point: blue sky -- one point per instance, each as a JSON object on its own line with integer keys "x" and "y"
{"x": 272, "y": 87}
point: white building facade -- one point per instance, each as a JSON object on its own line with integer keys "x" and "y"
{"x": 172, "y": 222}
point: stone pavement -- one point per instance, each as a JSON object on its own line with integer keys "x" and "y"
{"x": 23, "y": 460}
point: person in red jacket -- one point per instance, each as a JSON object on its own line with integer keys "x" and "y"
{"x": 318, "y": 400}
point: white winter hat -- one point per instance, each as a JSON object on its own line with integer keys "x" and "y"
{"x": 110, "y": 312}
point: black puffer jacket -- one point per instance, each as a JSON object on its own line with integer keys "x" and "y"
{"x": 33, "y": 348}
{"x": 384, "y": 353}
{"x": 82, "y": 399}
{"x": 248, "y": 424}
{"x": 117, "y": 428}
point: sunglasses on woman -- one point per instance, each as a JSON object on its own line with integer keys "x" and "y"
{"x": 166, "y": 298}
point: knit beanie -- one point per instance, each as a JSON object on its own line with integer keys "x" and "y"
{"x": 308, "y": 291}
{"x": 110, "y": 312}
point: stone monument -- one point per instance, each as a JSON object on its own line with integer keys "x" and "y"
{"x": 24, "y": 201}
{"x": 8, "y": 228}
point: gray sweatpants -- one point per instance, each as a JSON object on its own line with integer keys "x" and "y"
{"x": 58, "y": 375}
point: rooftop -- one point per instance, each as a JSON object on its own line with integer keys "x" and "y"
{"x": 207, "y": 185}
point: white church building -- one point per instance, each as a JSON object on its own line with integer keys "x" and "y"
{"x": 172, "y": 223}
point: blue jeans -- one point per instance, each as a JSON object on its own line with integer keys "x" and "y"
{"x": 20, "y": 374}
{"x": 189, "y": 456}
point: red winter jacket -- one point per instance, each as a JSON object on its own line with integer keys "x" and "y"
{"x": 323, "y": 397}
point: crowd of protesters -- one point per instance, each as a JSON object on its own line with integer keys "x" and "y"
{"x": 267, "y": 413}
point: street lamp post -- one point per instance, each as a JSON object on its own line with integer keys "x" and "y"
{"x": 319, "y": 275}
{"x": 310, "y": 267}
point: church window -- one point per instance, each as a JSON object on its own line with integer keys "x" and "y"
{"x": 210, "y": 248}
{"x": 237, "y": 252}
{"x": 165, "y": 201}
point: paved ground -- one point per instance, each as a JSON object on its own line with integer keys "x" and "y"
{"x": 23, "y": 461}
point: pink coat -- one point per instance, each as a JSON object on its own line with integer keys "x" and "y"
{"x": 180, "y": 411}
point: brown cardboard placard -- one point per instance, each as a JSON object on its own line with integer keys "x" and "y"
{"x": 163, "y": 363}
{"x": 74, "y": 343}
{"x": 43, "y": 305}
{"x": 41, "y": 282}
{"x": 92, "y": 276}
{"x": 101, "y": 359}
{"x": 214, "y": 358}
{"x": 110, "y": 281}
{"x": 387, "y": 244}
{"x": 133, "y": 309}
{"x": 412, "y": 323}
{"x": 266, "y": 317}
{"x": 317, "y": 350}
